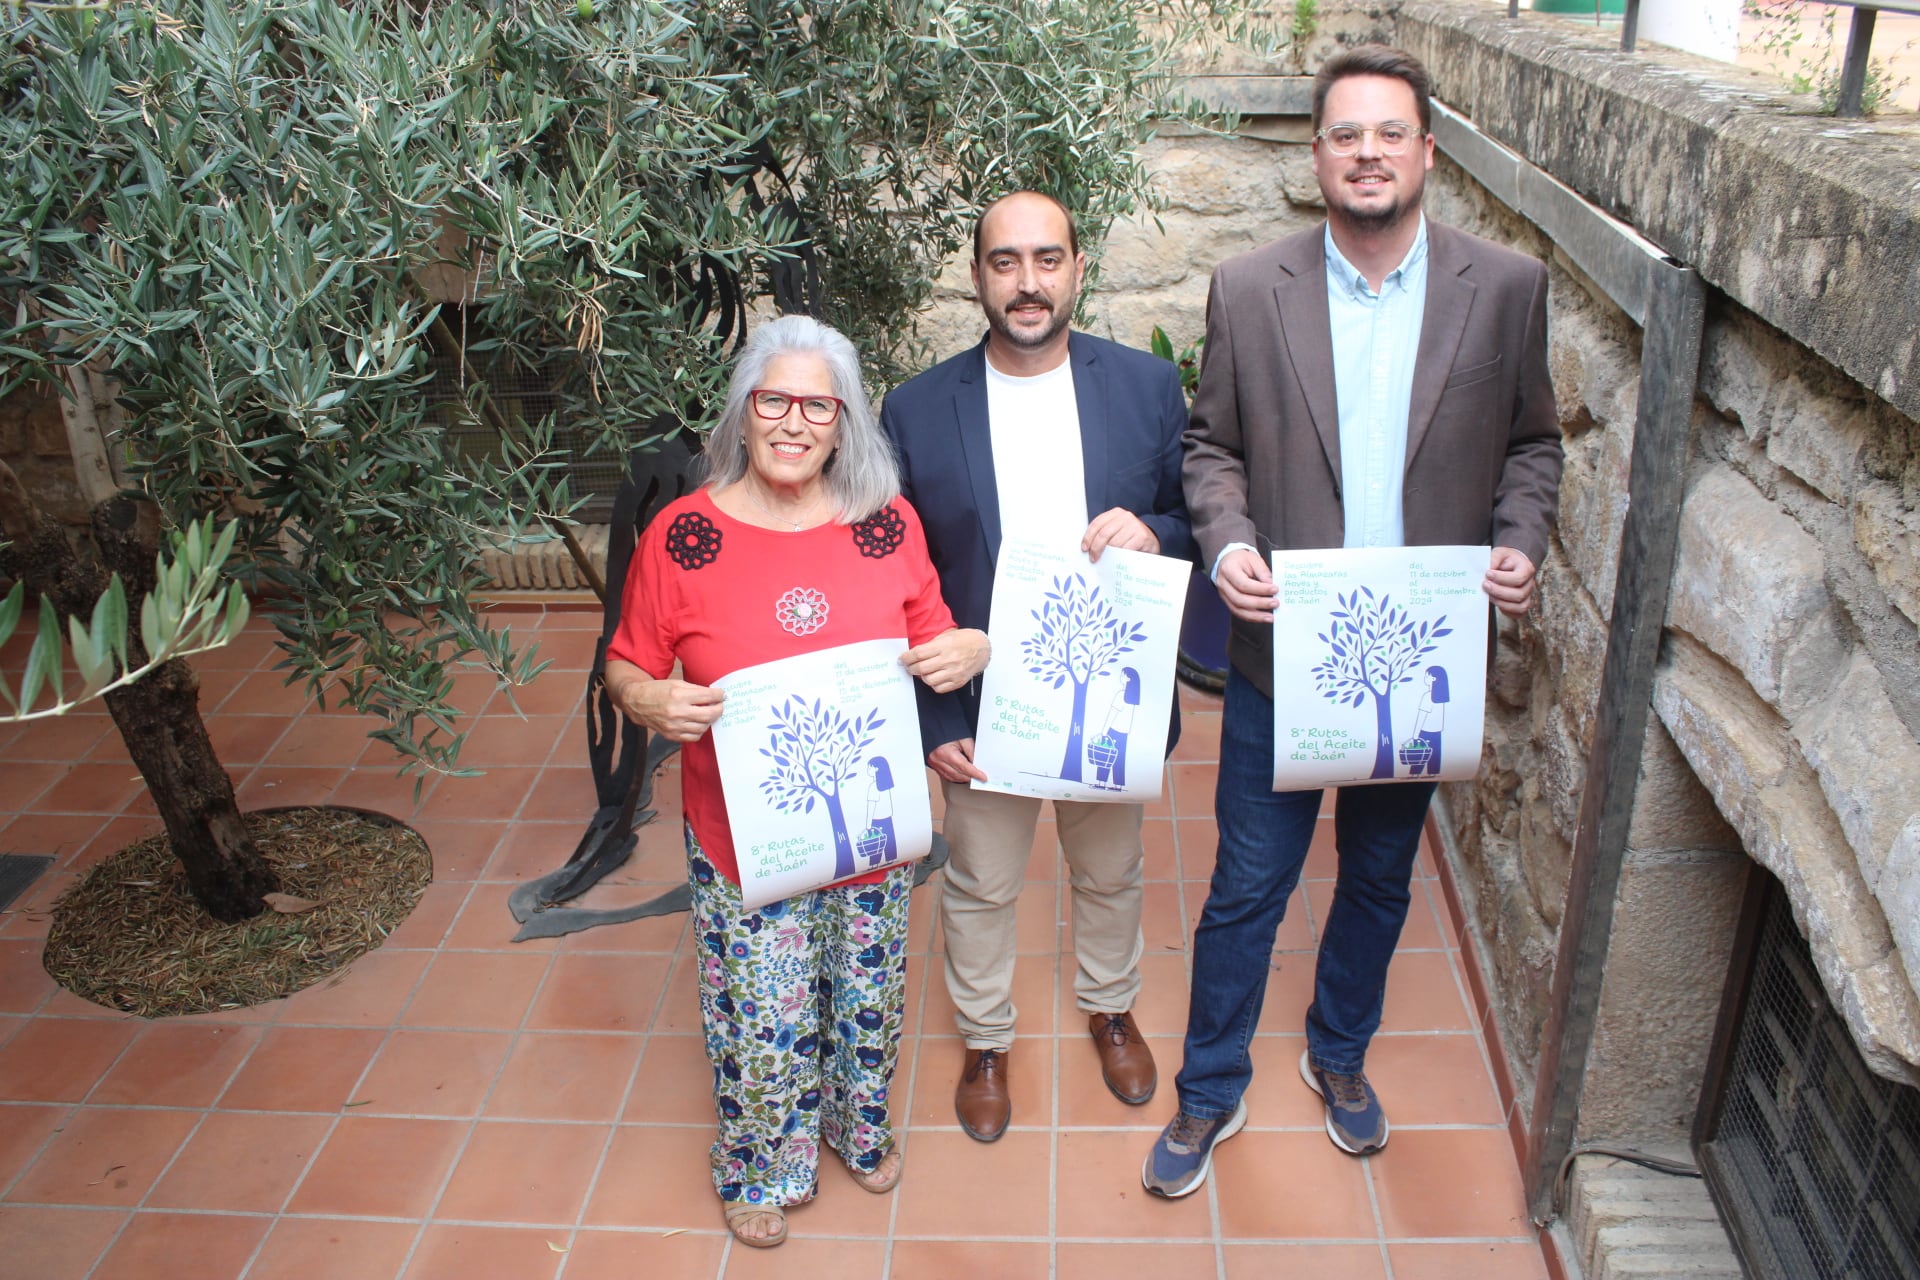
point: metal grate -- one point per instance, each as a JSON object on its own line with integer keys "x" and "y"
{"x": 17, "y": 872}
{"x": 528, "y": 395}
{"x": 1813, "y": 1159}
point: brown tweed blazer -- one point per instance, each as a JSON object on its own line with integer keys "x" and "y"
{"x": 1263, "y": 445}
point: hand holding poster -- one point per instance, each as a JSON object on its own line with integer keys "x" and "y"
{"x": 1379, "y": 665}
{"x": 819, "y": 759}
{"x": 1075, "y": 704}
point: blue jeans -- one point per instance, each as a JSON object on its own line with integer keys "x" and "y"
{"x": 1264, "y": 835}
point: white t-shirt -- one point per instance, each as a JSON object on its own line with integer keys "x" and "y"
{"x": 1037, "y": 467}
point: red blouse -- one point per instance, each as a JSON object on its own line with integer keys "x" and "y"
{"x": 720, "y": 595}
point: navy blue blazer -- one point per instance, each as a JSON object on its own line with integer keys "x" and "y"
{"x": 1132, "y": 414}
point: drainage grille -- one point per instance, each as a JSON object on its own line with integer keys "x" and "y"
{"x": 1813, "y": 1159}
{"x": 17, "y": 871}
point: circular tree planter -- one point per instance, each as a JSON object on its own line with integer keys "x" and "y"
{"x": 129, "y": 935}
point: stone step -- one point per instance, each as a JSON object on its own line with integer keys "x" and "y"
{"x": 1625, "y": 1222}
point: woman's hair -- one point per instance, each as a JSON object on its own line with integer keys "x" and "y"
{"x": 1133, "y": 685}
{"x": 1440, "y": 693}
{"x": 882, "y": 773}
{"x": 861, "y": 476}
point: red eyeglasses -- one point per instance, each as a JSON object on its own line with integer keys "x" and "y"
{"x": 773, "y": 405}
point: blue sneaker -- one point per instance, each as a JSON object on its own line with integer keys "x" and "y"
{"x": 1182, "y": 1155}
{"x": 1355, "y": 1120}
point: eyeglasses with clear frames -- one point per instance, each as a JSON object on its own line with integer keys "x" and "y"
{"x": 1394, "y": 137}
{"x": 773, "y": 405}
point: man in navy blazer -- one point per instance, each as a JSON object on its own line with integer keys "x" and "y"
{"x": 1010, "y": 439}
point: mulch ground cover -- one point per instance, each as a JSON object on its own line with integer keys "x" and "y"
{"x": 130, "y": 936}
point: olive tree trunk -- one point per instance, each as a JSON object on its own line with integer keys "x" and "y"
{"x": 158, "y": 716}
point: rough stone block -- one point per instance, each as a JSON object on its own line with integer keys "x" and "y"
{"x": 1818, "y": 439}
{"x": 1212, "y": 241}
{"x": 1899, "y": 894}
{"x": 1547, "y": 858}
{"x": 1130, "y": 317}
{"x": 1211, "y": 176}
{"x": 955, "y": 279}
{"x": 1562, "y": 772}
{"x": 1593, "y": 508}
{"x": 1483, "y": 818}
{"x": 1742, "y": 753}
{"x": 1737, "y": 359}
{"x": 949, "y": 326}
{"x": 1139, "y": 255}
{"x": 1887, "y": 530}
{"x": 1512, "y": 673}
{"x": 1601, "y": 368}
{"x": 1750, "y": 585}
{"x": 1868, "y": 766}
{"x": 1671, "y": 810}
{"x": 1574, "y": 633}
{"x": 1672, "y": 940}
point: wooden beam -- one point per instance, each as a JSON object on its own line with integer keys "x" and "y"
{"x": 1649, "y": 544}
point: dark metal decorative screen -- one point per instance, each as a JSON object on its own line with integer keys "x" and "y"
{"x": 527, "y": 396}
{"x": 1813, "y": 1159}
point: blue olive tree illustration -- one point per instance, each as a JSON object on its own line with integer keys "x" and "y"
{"x": 1373, "y": 646}
{"x": 1080, "y": 638}
{"x": 816, "y": 750}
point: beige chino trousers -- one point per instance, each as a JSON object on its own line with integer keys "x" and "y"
{"x": 990, "y": 835}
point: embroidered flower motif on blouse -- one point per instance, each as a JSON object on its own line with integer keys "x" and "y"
{"x": 880, "y": 534}
{"x": 693, "y": 540}
{"x": 802, "y": 611}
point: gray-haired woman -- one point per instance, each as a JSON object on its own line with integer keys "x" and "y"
{"x": 799, "y": 541}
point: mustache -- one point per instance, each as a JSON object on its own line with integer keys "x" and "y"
{"x": 1028, "y": 300}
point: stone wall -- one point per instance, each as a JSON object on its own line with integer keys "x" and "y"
{"x": 1786, "y": 724}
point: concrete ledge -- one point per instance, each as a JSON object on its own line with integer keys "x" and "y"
{"x": 1254, "y": 95}
{"x": 1810, "y": 222}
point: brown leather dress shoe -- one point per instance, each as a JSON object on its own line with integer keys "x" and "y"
{"x": 1126, "y": 1064}
{"x": 981, "y": 1099}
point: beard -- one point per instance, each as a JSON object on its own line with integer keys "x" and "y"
{"x": 1058, "y": 317}
{"x": 1374, "y": 219}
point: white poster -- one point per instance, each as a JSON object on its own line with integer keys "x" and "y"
{"x": 820, "y": 763}
{"x": 1379, "y": 665}
{"x": 1075, "y": 704}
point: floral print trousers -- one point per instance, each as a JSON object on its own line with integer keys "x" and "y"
{"x": 802, "y": 1002}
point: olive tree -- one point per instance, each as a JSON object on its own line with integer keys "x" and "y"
{"x": 233, "y": 234}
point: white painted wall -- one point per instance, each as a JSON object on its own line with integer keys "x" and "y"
{"x": 1710, "y": 28}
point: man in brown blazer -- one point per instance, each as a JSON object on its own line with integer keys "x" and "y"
{"x": 1377, "y": 381}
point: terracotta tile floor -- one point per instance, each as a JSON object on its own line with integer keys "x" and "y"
{"x": 459, "y": 1106}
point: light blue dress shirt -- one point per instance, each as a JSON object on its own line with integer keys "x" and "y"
{"x": 1375, "y": 338}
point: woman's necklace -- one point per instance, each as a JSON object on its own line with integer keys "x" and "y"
{"x": 746, "y": 486}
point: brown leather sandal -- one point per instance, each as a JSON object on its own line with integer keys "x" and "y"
{"x": 740, "y": 1213}
{"x": 884, "y": 1176}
